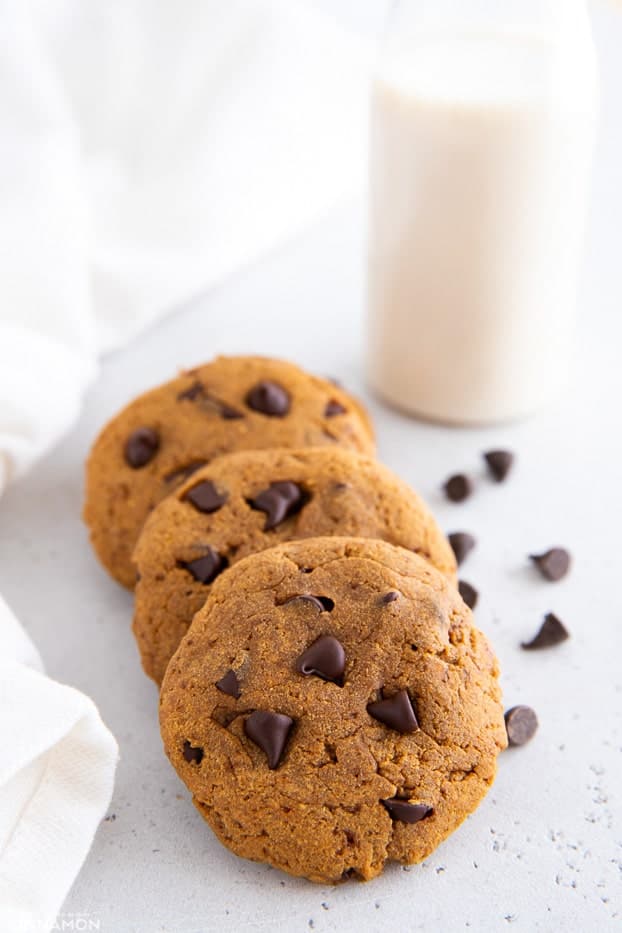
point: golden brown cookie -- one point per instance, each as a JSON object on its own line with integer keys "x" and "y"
{"x": 232, "y": 403}
{"x": 250, "y": 501}
{"x": 333, "y": 707}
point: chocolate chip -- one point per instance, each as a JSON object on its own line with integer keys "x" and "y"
{"x": 469, "y": 593}
{"x": 458, "y": 487}
{"x": 333, "y": 407}
{"x": 194, "y": 391}
{"x": 462, "y": 543}
{"x": 552, "y": 632}
{"x": 499, "y": 463}
{"x": 198, "y": 393}
{"x": 521, "y": 724}
{"x": 278, "y": 502}
{"x": 205, "y": 497}
{"x": 270, "y": 732}
{"x": 184, "y": 472}
{"x": 322, "y": 603}
{"x": 229, "y": 413}
{"x": 141, "y": 446}
{"x": 553, "y": 564}
{"x": 406, "y": 812}
{"x": 396, "y": 712}
{"x": 389, "y": 597}
{"x": 269, "y": 398}
{"x": 192, "y": 754}
{"x": 325, "y": 658}
{"x": 229, "y": 684}
{"x": 205, "y": 569}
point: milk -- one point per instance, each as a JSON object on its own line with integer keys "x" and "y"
{"x": 481, "y": 148}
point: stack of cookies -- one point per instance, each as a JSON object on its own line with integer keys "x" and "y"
{"x": 325, "y": 695}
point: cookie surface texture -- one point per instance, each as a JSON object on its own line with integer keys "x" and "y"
{"x": 230, "y": 404}
{"x": 250, "y": 501}
{"x": 333, "y": 708}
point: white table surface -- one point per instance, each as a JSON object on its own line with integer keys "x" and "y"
{"x": 544, "y": 851}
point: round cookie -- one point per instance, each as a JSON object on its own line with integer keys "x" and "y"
{"x": 250, "y": 501}
{"x": 332, "y": 708}
{"x": 232, "y": 403}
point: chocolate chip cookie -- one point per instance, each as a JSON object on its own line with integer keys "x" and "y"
{"x": 333, "y": 707}
{"x": 232, "y": 403}
{"x": 250, "y": 501}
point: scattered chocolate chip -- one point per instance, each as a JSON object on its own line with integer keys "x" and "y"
{"x": 205, "y": 497}
{"x": 194, "y": 391}
{"x": 551, "y": 632}
{"x": 269, "y": 398}
{"x": 406, "y": 812}
{"x": 325, "y": 658}
{"x": 462, "y": 543}
{"x": 389, "y": 597}
{"x": 192, "y": 754}
{"x": 458, "y": 487}
{"x": 229, "y": 684}
{"x": 205, "y": 569}
{"x": 322, "y": 603}
{"x": 333, "y": 407}
{"x": 184, "y": 472}
{"x": 469, "y": 593}
{"x": 499, "y": 463}
{"x": 553, "y": 564}
{"x": 141, "y": 446}
{"x": 396, "y": 712}
{"x": 278, "y": 502}
{"x": 521, "y": 724}
{"x": 270, "y": 732}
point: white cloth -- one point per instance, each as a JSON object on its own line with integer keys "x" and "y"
{"x": 147, "y": 149}
{"x": 56, "y": 776}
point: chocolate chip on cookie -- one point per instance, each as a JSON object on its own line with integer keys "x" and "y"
{"x": 141, "y": 447}
{"x": 192, "y": 754}
{"x": 325, "y": 658}
{"x": 333, "y": 408}
{"x": 406, "y": 812}
{"x": 230, "y": 404}
{"x": 205, "y": 569}
{"x": 269, "y": 398}
{"x": 328, "y": 770}
{"x": 270, "y": 732}
{"x": 396, "y": 712}
{"x": 373, "y": 503}
{"x": 229, "y": 684}
{"x": 279, "y": 501}
{"x": 321, "y": 603}
{"x": 205, "y": 497}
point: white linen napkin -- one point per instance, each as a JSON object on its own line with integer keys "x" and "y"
{"x": 56, "y": 776}
{"x": 147, "y": 149}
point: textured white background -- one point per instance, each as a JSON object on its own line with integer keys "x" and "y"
{"x": 544, "y": 851}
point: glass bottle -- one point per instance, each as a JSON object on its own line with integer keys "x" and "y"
{"x": 483, "y": 118}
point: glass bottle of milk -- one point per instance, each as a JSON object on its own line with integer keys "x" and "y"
{"x": 482, "y": 129}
